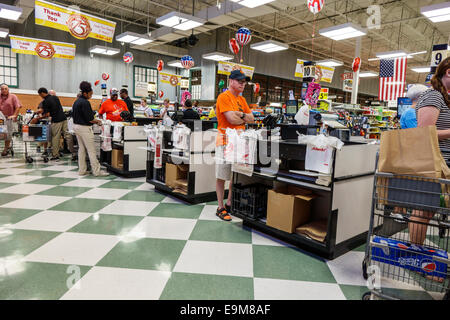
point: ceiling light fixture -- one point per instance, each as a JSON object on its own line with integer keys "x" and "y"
{"x": 175, "y": 63}
{"x": 218, "y": 56}
{"x": 368, "y": 74}
{"x": 104, "y": 50}
{"x": 343, "y": 31}
{"x": 180, "y": 21}
{"x": 10, "y": 12}
{"x": 252, "y": 3}
{"x": 330, "y": 63}
{"x": 437, "y": 12}
{"x": 134, "y": 38}
{"x": 269, "y": 46}
{"x": 391, "y": 54}
{"x": 3, "y": 32}
{"x": 421, "y": 69}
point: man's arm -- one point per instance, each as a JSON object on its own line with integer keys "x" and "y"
{"x": 234, "y": 117}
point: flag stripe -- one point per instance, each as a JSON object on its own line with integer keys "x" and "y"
{"x": 392, "y": 79}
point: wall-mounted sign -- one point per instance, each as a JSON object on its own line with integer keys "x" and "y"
{"x": 184, "y": 83}
{"x": 152, "y": 87}
{"x": 44, "y": 49}
{"x": 78, "y": 24}
{"x": 140, "y": 89}
{"x": 226, "y": 68}
{"x": 172, "y": 79}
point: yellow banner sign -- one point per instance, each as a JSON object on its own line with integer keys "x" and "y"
{"x": 78, "y": 24}
{"x": 226, "y": 68}
{"x": 44, "y": 49}
{"x": 327, "y": 74}
{"x": 299, "y": 69}
{"x": 172, "y": 79}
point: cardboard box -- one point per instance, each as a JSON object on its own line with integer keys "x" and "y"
{"x": 288, "y": 208}
{"x": 174, "y": 173}
{"x": 117, "y": 158}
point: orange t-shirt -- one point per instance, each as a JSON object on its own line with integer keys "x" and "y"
{"x": 113, "y": 109}
{"x": 228, "y": 102}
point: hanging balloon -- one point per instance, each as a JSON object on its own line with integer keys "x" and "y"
{"x": 105, "y": 76}
{"x": 221, "y": 84}
{"x": 160, "y": 65}
{"x": 356, "y": 64}
{"x": 234, "y": 46}
{"x": 161, "y": 94}
{"x": 243, "y": 36}
{"x": 187, "y": 62}
{"x": 315, "y": 6}
{"x": 256, "y": 88}
{"x": 128, "y": 57}
{"x": 96, "y": 82}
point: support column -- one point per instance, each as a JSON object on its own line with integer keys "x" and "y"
{"x": 356, "y": 74}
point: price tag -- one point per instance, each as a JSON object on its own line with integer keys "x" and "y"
{"x": 323, "y": 94}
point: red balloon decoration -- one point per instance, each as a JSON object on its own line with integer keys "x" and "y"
{"x": 356, "y": 64}
{"x": 96, "y": 82}
{"x": 105, "y": 76}
{"x": 234, "y": 46}
{"x": 160, "y": 65}
{"x": 161, "y": 94}
{"x": 256, "y": 88}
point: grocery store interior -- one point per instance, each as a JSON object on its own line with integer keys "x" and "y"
{"x": 111, "y": 167}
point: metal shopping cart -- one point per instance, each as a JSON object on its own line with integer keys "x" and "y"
{"x": 408, "y": 238}
{"x": 36, "y": 133}
{"x": 5, "y": 130}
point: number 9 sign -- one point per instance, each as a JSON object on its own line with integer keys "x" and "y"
{"x": 439, "y": 55}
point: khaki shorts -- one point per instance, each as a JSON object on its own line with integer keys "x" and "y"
{"x": 9, "y": 128}
{"x": 223, "y": 170}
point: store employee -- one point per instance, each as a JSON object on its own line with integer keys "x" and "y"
{"x": 113, "y": 107}
{"x": 190, "y": 113}
{"x": 124, "y": 96}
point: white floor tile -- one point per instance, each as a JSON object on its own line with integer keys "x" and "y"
{"x": 36, "y": 202}
{"x": 104, "y": 283}
{"x": 12, "y": 171}
{"x": 146, "y": 187}
{"x": 104, "y": 193}
{"x": 130, "y": 208}
{"x": 27, "y": 188}
{"x": 67, "y": 174}
{"x": 170, "y": 199}
{"x": 59, "y": 221}
{"x": 19, "y": 179}
{"x": 74, "y": 248}
{"x": 61, "y": 167}
{"x": 4, "y": 165}
{"x": 209, "y": 213}
{"x": 92, "y": 183}
{"x": 266, "y": 240}
{"x": 232, "y": 259}
{"x": 140, "y": 179}
{"x": 272, "y": 289}
{"x": 165, "y": 228}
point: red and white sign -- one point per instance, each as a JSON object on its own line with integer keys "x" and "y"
{"x": 44, "y": 49}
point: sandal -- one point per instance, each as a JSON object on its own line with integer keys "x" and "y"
{"x": 5, "y": 153}
{"x": 222, "y": 213}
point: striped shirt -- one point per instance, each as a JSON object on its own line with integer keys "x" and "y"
{"x": 435, "y": 99}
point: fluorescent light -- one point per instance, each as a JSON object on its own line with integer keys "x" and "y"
{"x": 175, "y": 63}
{"x": 269, "y": 46}
{"x": 368, "y": 74}
{"x": 134, "y": 38}
{"x": 104, "y": 50}
{"x": 421, "y": 69}
{"x": 391, "y": 54}
{"x": 180, "y": 21}
{"x": 142, "y": 41}
{"x": 438, "y": 12}
{"x": 343, "y": 31}
{"x": 3, "y": 32}
{"x": 217, "y": 56}
{"x": 416, "y": 53}
{"x": 10, "y": 12}
{"x": 330, "y": 63}
{"x": 252, "y": 3}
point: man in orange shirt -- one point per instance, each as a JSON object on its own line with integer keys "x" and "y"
{"x": 113, "y": 107}
{"x": 232, "y": 112}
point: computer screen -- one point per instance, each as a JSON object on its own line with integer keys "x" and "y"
{"x": 291, "y": 107}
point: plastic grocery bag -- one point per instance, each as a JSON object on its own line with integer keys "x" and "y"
{"x": 158, "y": 150}
{"x": 319, "y": 152}
{"x": 302, "y": 116}
{"x": 180, "y": 137}
{"x": 117, "y": 133}
{"x": 229, "y": 152}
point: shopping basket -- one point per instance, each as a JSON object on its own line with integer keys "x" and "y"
{"x": 408, "y": 238}
{"x": 36, "y": 133}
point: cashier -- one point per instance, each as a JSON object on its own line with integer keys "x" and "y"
{"x": 148, "y": 112}
{"x": 113, "y": 106}
{"x": 188, "y": 112}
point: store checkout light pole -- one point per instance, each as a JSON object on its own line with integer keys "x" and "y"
{"x": 356, "y": 74}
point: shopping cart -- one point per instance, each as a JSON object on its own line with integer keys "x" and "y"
{"x": 408, "y": 238}
{"x": 5, "y": 130}
{"x": 36, "y": 133}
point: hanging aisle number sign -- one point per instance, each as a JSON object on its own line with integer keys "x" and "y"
{"x": 308, "y": 71}
{"x": 439, "y": 54}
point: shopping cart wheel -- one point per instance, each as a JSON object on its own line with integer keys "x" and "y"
{"x": 29, "y": 160}
{"x": 45, "y": 159}
{"x": 364, "y": 268}
{"x": 366, "y": 296}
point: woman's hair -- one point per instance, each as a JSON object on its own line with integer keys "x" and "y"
{"x": 144, "y": 100}
{"x": 436, "y": 81}
{"x": 415, "y": 91}
{"x": 85, "y": 87}
{"x": 166, "y": 100}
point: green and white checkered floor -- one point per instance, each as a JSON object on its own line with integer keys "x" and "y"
{"x": 123, "y": 240}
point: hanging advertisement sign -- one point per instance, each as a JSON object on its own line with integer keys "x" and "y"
{"x": 439, "y": 54}
{"x": 299, "y": 69}
{"x": 172, "y": 79}
{"x": 79, "y": 25}
{"x": 347, "y": 81}
{"x": 226, "y": 68}
{"x": 327, "y": 74}
{"x": 324, "y": 94}
{"x": 44, "y": 49}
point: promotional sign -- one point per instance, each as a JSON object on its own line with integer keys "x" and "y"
{"x": 79, "y": 25}
{"x": 184, "y": 83}
{"x": 309, "y": 71}
{"x": 347, "y": 79}
{"x": 299, "y": 69}
{"x": 324, "y": 94}
{"x": 327, "y": 74}
{"x": 226, "y": 68}
{"x": 140, "y": 89}
{"x": 44, "y": 49}
{"x": 439, "y": 54}
{"x": 172, "y": 79}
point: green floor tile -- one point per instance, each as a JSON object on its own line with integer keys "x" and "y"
{"x": 82, "y": 205}
{"x": 213, "y": 203}
{"x": 64, "y": 191}
{"x": 121, "y": 185}
{"x": 4, "y": 185}
{"x": 151, "y": 196}
{"x": 443, "y": 243}
{"x": 150, "y": 254}
{"x": 34, "y": 166}
{"x": 353, "y": 292}
{"x": 187, "y": 286}
{"x": 221, "y": 231}
{"x": 175, "y": 210}
{"x": 13, "y": 215}
{"x": 3, "y": 175}
{"x": 356, "y": 293}
{"x": 37, "y": 281}
{"x": 110, "y": 177}
{"x": 107, "y": 224}
{"x": 289, "y": 264}
{"x": 21, "y": 242}
{"x": 51, "y": 181}
{"x": 43, "y": 173}
{"x": 9, "y": 197}
{"x": 361, "y": 248}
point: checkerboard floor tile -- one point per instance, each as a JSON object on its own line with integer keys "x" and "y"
{"x": 124, "y": 240}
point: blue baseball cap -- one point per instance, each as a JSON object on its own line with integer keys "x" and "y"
{"x": 238, "y": 75}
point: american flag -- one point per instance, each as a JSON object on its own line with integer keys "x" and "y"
{"x": 392, "y": 79}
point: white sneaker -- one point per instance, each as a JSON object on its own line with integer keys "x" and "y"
{"x": 102, "y": 174}
{"x": 83, "y": 173}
